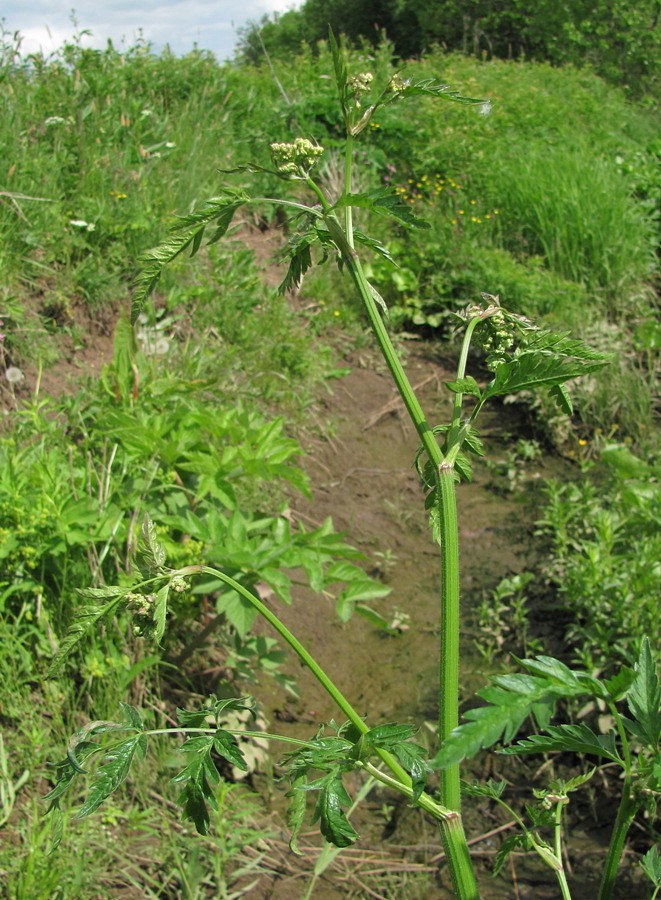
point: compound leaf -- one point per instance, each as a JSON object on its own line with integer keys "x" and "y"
{"x": 296, "y": 811}
{"x": 226, "y": 746}
{"x": 651, "y": 865}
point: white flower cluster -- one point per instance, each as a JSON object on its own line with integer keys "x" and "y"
{"x": 296, "y": 158}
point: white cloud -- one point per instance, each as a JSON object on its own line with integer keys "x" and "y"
{"x": 211, "y": 24}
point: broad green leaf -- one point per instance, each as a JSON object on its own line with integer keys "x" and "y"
{"x": 85, "y": 618}
{"x": 56, "y": 827}
{"x": 509, "y": 699}
{"x": 373, "y": 244}
{"x": 548, "y": 667}
{"x": 300, "y": 260}
{"x": 492, "y": 789}
{"x": 511, "y": 842}
{"x": 131, "y": 715}
{"x": 574, "y": 738}
{"x": 333, "y": 823}
{"x": 619, "y": 684}
{"x": 559, "y": 343}
{"x": 644, "y": 699}
{"x": 112, "y": 772}
{"x": 65, "y": 771}
{"x": 577, "y": 781}
{"x": 373, "y": 618}
{"x": 413, "y": 759}
{"x": 214, "y": 708}
{"x": 385, "y": 736}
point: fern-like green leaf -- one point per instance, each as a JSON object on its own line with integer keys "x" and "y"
{"x": 112, "y": 772}
{"x": 150, "y": 555}
{"x": 199, "y": 779}
{"x": 333, "y": 823}
{"x": 432, "y": 88}
{"x": 532, "y": 370}
{"x": 509, "y": 700}
{"x": 85, "y": 618}
{"x": 644, "y": 700}
{"x": 300, "y": 260}
{"x": 574, "y": 738}
{"x": 385, "y": 203}
{"x": 187, "y": 232}
{"x": 560, "y": 344}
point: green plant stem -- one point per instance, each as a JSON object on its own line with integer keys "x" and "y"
{"x": 557, "y": 835}
{"x": 348, "y": 212}
{"x": 625, "y": 813}
{"x": 452, "y": 832}
{"x": 448, "y": 712}
{"x": 461, "y": 373}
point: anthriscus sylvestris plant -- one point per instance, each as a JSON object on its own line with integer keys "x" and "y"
{"x": 520, "y": 356}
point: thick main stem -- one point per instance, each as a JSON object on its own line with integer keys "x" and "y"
{"x": 452, "y": 832}
{"x": 448, "y": 713}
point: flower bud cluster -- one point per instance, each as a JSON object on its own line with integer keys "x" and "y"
{"x": 141, "y": 604}
{"x": 359, "y": 85}
{"x": 179, "y": 584}
{"x": 296, "y": 158}
{"x": 495, "y": 337}
{"x": 397, "y": 84}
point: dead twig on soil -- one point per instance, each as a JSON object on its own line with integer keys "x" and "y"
{"x": 396, "y": 404}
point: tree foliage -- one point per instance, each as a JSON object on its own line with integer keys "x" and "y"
{"x": 620, "y": 38}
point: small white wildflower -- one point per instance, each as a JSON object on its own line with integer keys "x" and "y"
{"x": 54, "y": 120}
{"x": 14, "y": 375}
{"x": 81, "y": 223}
{"x": 485, "y": 108}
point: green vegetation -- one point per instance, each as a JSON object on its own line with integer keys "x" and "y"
{"x": 619, "y": 39}
{"x": 543, "y": 191}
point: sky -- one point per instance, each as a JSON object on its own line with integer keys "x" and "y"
{"x": 211, "y": 24}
